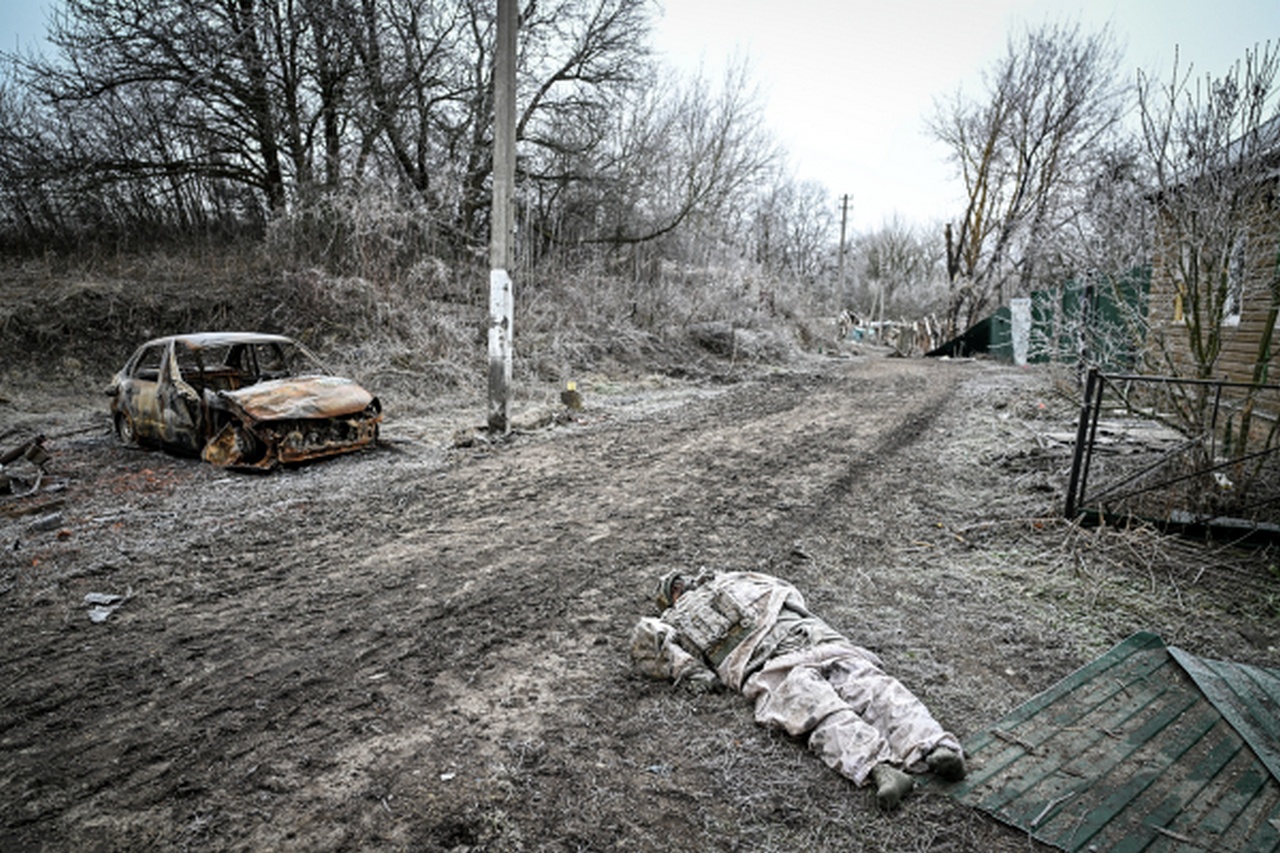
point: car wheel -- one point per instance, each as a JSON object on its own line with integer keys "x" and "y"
{"x": 251, "y": 447}
{"x": 125, "y": 430}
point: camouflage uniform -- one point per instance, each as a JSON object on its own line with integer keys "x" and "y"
{"x": 753, "y": 633}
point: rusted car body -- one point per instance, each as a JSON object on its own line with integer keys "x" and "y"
{"x": 241, "y": 400}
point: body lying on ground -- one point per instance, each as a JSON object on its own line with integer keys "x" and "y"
{"x": 752, "y": 632}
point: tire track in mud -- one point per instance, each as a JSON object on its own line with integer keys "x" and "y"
{"x": 605, "y": 511}
{"x": 731, "y": 482}
{"x": 336, "y": 640}
{"x": 608, "y": 508}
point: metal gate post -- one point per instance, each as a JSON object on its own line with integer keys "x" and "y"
{"x": 1078, "y": 455}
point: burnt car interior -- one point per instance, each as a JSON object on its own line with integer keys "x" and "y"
{"x": 229, "y": 368}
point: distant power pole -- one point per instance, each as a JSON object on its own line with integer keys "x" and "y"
{"x": 502, "y": 219}
{"x": 844, "y": 221}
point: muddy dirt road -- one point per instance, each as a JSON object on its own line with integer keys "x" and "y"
{"x": 424, "y": 646}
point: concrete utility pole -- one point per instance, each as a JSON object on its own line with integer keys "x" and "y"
{"x": 502, "y": 218}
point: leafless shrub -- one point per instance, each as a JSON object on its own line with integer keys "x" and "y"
{"x": 370, "y": 234}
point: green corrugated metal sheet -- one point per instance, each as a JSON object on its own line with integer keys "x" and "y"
{"x": 1118, "y": 309}
{"x": 1148, "y": 748}
{"x": 1247, "y": 696}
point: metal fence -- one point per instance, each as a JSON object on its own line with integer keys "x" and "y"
{"x": 1199, "y": 455}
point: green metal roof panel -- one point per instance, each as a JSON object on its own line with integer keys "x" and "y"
{"x": 1247, "y": 696}
{"x": 1146, "y": 748}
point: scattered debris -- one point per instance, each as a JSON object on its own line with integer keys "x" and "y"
{"x": 18, "y": 509}
{"x": 14, "y": 482}
{"x": 102, "y": 604}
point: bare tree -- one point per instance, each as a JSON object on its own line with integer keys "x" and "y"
{"x": 1209, "y": 141}
{"x": 794, "y": 230}
{"x": 293, "y": 99}
{"x": 1213, "y": 144}
{"x": 407, "y": 88}
{"x": 357, "y": 134}
{"x": 1020, "y": 150}
{"x": 1111, "y": 229}
{"x": 578, "y": 60}
{"x": 902, "y": 269}
{"x": 175, "y": 90}
{"x": 26, "y": 179}
{"x": 685, "y": 150}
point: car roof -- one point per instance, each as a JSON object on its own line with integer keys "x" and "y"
{"x": 200, "y": 340}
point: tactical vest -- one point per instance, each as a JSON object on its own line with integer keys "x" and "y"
{"x": 712, "y": 620}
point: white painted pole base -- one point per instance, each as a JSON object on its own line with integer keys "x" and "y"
{"x": 500, "y": 350}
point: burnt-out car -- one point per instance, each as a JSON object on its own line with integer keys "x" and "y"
{"x": 239, "y": 399}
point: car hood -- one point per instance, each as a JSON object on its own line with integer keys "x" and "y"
{"x": 300, "y": 398}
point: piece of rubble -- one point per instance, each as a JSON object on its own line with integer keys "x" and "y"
{"x": 103, "y": 604}
{"x": 32, "y": 451}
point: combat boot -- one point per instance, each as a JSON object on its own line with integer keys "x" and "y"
{"x": 947, "y": 764}
{"x": 891, "y": 785}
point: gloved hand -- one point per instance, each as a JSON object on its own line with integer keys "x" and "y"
{"x": 700, "y": 681}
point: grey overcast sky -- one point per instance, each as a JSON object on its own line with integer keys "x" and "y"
{"x": 848, "y": 84}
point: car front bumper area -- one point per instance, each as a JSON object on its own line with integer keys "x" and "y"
{"x": 264, "y": 445}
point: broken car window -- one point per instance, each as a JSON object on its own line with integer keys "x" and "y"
{"x": 271, "y": 361}
{"x": 188, "y": 362}
{"x": 148, "y": 366}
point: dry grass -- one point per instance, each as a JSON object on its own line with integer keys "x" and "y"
{"x": 416, "y": 326}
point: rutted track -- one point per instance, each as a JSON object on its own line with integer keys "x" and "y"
{"x": 424, "y": 648}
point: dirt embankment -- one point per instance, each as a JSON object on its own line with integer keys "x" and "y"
{"x": 424, "y": 646}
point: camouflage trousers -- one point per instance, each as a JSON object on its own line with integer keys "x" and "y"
{"x": 854, "y": 714}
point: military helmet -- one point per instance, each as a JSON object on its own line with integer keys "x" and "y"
{"x": 666, "y": 583}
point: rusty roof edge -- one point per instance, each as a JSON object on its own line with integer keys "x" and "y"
{"x": 1233, "y": 690}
